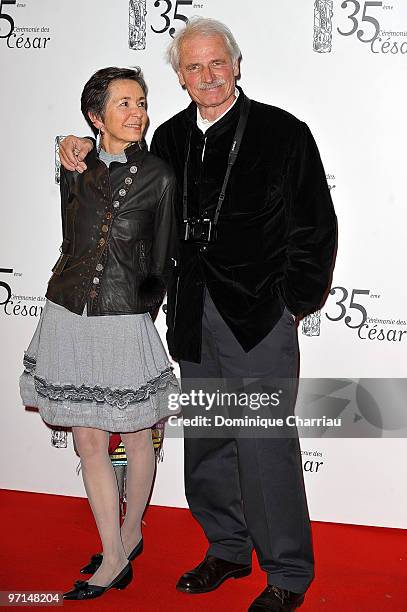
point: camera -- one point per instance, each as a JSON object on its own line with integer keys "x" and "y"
{"x": 200, "y": 231}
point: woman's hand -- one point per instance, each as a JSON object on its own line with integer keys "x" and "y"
{"x": 72, "y": 152}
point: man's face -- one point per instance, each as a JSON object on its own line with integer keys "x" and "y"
{"x": 206, "y": 70}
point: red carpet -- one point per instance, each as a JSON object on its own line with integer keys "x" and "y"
{"x": 46, "y": 538}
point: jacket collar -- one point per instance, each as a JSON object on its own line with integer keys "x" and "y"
{"x": 134, "y": 153}
{"x": 227, "y": 120}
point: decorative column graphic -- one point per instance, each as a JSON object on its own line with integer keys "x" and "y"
{"x": 59, "y": 438}
{"x": 311, "y": 325}
{"x": 137, "y": 24}
{"x": 323, "y": 11}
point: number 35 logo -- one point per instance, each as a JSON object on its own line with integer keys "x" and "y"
{"x": 5, "y": 288}
{"x": 166, "y": 15}
{"x": 365, "y": 18}
{"x": 342, "y": 295}
{"x": 4, "y": 17}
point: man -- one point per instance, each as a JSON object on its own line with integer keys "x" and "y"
{"x": 256, "y": 251}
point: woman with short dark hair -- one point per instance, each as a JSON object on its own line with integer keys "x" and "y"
{"x": 96, "y": 362}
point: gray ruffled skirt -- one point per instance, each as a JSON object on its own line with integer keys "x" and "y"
{"x": 107, "y": 372}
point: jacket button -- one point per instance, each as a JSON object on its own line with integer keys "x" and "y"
{"x": 133, "y": 169}
{"x": 108, "y": 215}
{"x": 116, "y": 204}
{"x": 102, "y": 241}
{"x": 128, "y": 180}
{"x": 99, "y": 267}
{"x": 122, "y": 192}
{"x": 105, "y": 229}
{"x": 96, "y": 281}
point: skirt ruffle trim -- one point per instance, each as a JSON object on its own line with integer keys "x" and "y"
{"x": 118, "y": 398}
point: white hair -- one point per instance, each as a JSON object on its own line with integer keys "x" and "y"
{"x": 204, "y": 27}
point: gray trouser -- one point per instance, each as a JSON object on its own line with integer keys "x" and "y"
{"x": 249, "y": 492}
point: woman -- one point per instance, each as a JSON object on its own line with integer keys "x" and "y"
{"x": 96, "y": 362}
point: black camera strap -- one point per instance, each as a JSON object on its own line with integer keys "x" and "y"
{"x": 233, "y": 153}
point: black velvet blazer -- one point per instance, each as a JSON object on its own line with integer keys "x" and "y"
{"x": 276, "y": 231}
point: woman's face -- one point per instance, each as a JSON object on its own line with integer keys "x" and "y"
{"x": 125, "y": 117}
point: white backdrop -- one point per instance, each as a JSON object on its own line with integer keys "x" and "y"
{"x": 352, "y": 95}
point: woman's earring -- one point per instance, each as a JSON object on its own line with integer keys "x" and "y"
{"x": 99, "y": 140}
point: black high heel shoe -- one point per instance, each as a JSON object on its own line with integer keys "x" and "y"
{"x": 96, "y": 560}
{"x": 84, "y": 590}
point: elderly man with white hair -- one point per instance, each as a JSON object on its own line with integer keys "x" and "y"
{"x": 256, "y": 251}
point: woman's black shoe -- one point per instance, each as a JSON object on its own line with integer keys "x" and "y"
{"x": 84, "y": 590}
{"x": 137, "y": 550}
{"x": 96, "y": 560}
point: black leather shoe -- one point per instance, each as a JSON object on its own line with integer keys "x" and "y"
{"x": 210, "y": 574}
{"x": 96, "y": 560}
{"x": 274, "y": 599}
{"x": 84, "y": 590}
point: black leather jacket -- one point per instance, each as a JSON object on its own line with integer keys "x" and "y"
{"x": 118, "y": 235}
